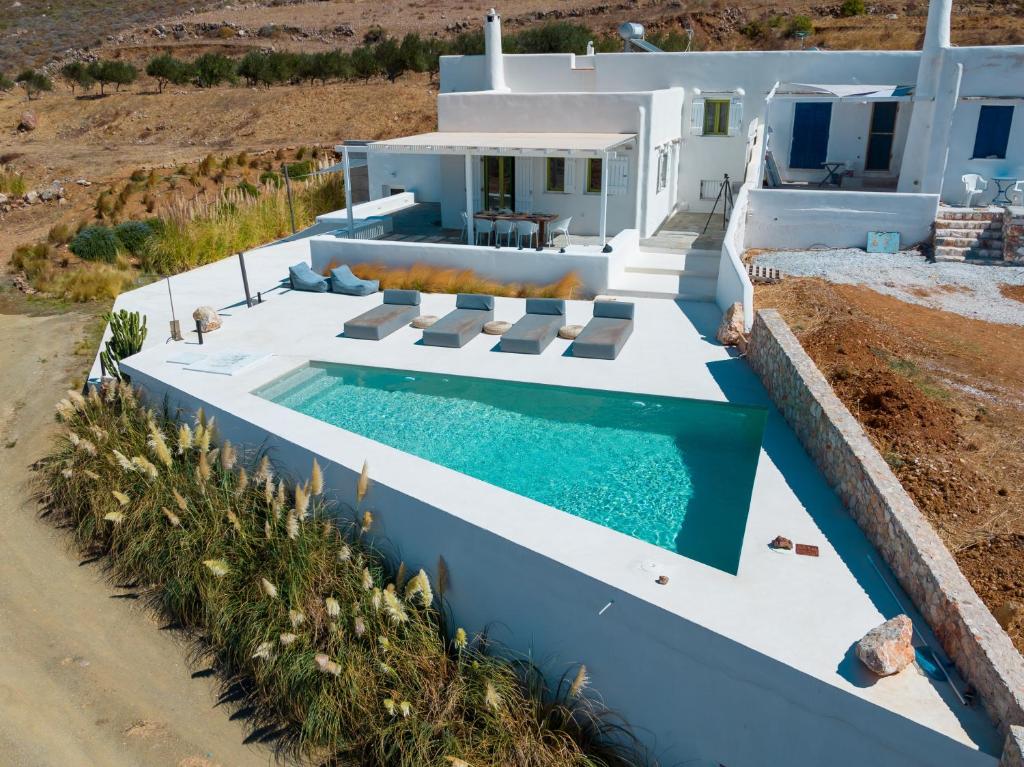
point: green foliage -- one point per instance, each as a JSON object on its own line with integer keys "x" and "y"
{"x": 271, "y": 178}
{"x": 800, "y": 25}
{"x": 127, "y": 334}
{"x": 365, "y": 63}
{"x": 213, "y": 69}
{"x": 133, "y": 235}
{"x": 340, "y": 652}
{"x": 95, "y": 243}
{"x": 6, "y": 83}
{"x": 249, "y": 190}
{"x": 167, "y": 69}
{"x": 77, "y": 74}
{"x": 852, "y": 8}
{"x": 554, "y": 37}
{"x": 112, "y": 71}
{"x": 34, "y": 82}
{"x": 12, "y": 182}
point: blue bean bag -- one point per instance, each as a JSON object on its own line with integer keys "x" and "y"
{"x": 302, "y": 277}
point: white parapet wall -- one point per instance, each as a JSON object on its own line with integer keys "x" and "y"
{"x": 379, "y": 207}
{"x": 594, "y": 267}
{"x": 794, "y": 218}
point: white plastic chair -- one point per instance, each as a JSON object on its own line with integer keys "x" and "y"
{"x": 1016, "y": 193}
{"x": 504, "y": 229}
{"x": 486, "y": 228}
{"x": 973, "y": 186}
{"x": 561, "y": 226}
{"x": 528, "y": 229}
{"x": 465, "y": 226}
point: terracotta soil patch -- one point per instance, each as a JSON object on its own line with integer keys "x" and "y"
{"x": 942, "y": 398}
{"x": 1016, "y": 292}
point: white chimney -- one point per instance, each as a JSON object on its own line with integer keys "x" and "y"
{"x": 923, "y": 164}
{"x": 492, "y": 52}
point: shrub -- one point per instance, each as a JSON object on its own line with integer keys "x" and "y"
{"x": 272, "y": 179}
{"x": 167, "y": 69}
{"x": 34, "y": 82}
{"x": 95, "y": 243}
{"x": 112, "y": 71}
{"x": 345, "y": 656}
{"x": 553, "y": 37}
{"x": 133, "y": 235}
{"x": 249, "y": 190}
{"x": 6, "y": 83}
{"x": 852, "y": 8}
{"x": 76, "y": 73}
{"x": 213, "y": 69}
{"x": 59, "y": 234}
{"x": 800, "y": 25}
{"x": 97, "y": 282}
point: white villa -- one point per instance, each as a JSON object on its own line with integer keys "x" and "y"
{"x": 623, "y": 146}
{"x": 721, "y": 650}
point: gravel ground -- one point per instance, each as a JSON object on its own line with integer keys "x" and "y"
{"x": 966, "y": 289}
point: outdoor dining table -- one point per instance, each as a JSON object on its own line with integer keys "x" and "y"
{"x": 541, "y": 219}
{"x": 1003, "y": 186}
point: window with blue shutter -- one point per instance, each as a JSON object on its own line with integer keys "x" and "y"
{"x": 811, "y": 123}
{"x": 993, "y": 132}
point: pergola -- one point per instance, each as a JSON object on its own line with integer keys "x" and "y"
{"x": 470, "y": 145}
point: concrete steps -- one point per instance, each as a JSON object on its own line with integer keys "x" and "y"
{"x": 690, "y": 275}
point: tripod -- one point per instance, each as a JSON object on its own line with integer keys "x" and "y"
{"x": 724, "y": 194}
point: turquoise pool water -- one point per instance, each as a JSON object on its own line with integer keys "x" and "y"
{"x": 677, "y": 473}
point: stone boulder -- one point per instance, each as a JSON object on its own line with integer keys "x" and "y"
{"x": 207, "y": 318}
{"x": 888, "y": 649}
{"x": 28, "y": 122}
{"x": 730, "y": 331}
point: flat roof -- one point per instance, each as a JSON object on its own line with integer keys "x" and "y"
{"x": 536, "y": 144}
{"x": 803, "y": 612}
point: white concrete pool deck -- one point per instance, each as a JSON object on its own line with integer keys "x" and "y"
{"x": 804, "y": 612}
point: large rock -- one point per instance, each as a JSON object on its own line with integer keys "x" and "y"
{"x": 207, "y": 317}
{"x": 28, "y": 122}
{"x": 730, "y": 331}
{"x": 888, "y": 649}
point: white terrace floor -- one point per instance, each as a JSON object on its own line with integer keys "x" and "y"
{"x": 803, "y": 612}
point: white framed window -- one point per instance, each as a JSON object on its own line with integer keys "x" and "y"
{"x": 717, "y": 115}
{"x": 663, "y": 156}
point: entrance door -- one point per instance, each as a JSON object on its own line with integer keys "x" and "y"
{"x": 499, "y": 188}
{"x": 811, "y": 123}
{"x": 881, "y": 134}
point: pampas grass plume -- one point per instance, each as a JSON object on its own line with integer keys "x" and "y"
{"x": 316, "y": 479}
{"x": 363, "y": 485}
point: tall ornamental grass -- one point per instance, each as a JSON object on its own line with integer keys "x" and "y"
{"x": 345, "y": 657}
{"x": 200, "y": 232}
{"x": 438, "y": 279}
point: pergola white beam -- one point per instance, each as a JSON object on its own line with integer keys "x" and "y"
{"x": 470, "y": 239}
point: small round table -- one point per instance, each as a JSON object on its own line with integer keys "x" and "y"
{"x": 1003, "y": 185}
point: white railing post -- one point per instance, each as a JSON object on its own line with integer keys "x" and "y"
{"x": 348, "y": 193}
{"x": 604, "y": 199}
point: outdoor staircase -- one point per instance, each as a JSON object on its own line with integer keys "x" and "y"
{"x": 968, "y": 235}
{"x": 690, "y": 275}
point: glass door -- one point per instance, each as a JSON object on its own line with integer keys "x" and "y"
{"x": 499, "y": 188}
{"x": 880, "y": 137}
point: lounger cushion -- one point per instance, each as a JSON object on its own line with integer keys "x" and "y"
{"x": 602, "y": 338}
{"x": 545, "y": 306}
{"x": 622, "y": 310}
{"x": 474, "y": 301}
{"x": 343, "y": 281}
{"x": 302, "y": 277}
{"x": 531, "y": 334}
{"x": 406, "y": 297}
{"x": 456, "y": 328}
{"x": 381, "y": 321}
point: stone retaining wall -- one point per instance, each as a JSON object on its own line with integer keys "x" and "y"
{"x": 873, "y": 495}
{"x": 1013, "y": 234}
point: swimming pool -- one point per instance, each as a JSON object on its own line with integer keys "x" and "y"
{"x": 675, "y": 472}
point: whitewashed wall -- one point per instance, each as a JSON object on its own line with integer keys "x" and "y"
{"x": 595, "y": 269}
{"x": 416, "y": 173}
{"x": 793, "y": 218}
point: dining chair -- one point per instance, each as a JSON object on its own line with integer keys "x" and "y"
{"x": 484, "y": 227}
{"x": 1016, "y": 193}
{"x": 465, "y": 226}
{"x": 561, "y": 226}
{"x": 528, "y": 229}
{"x": 504, "y": 229}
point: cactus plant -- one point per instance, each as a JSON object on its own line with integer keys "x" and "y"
{"x": 127, "y": 332}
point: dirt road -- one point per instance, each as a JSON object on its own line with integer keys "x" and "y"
{"x": 87, "y": 677}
